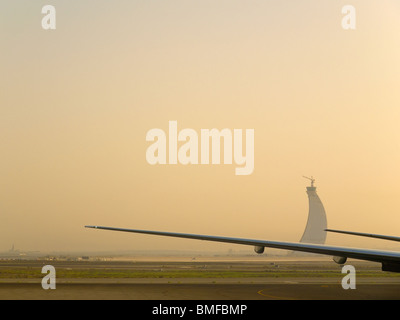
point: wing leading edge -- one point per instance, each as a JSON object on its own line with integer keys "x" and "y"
{"x": 390, "y": 259}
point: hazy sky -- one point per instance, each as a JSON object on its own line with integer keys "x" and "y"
{"x": 76, "y": 104}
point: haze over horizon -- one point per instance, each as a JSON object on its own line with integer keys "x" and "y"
{"x": 76, "y": 104}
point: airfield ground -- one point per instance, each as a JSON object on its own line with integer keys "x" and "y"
{"x": 200, "y": 278}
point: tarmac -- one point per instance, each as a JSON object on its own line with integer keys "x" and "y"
{"x": 201, "y": 291}
{"x": 297, "y": 279}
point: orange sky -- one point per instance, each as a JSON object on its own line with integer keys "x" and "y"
{"x": 76, "y": 104}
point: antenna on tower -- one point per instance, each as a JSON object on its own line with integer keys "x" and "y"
{"x": 311, "y": 179}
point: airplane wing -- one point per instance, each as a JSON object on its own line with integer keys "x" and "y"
{"x": 390, "y": 259}
{"x": 370, "y": 235}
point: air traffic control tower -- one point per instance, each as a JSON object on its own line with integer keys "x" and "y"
{"x": 316, "y": 223}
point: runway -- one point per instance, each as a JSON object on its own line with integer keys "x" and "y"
{"x": 235, "y": 280}
{"x": 223, "y": 291}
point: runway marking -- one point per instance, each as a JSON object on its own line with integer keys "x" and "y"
{"x": 273, "y": 297}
